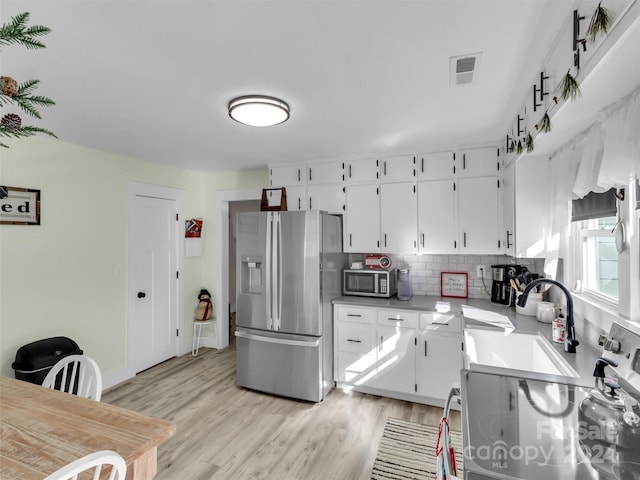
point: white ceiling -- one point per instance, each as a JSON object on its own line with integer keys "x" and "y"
{"x": 151, "y": 79}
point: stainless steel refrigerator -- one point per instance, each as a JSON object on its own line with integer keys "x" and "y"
{"x": 289, "y": 268}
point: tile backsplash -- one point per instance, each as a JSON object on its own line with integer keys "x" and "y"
{"x": 426, "y": 269}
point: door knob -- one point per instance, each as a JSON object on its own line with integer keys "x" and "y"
{"x": 141, "y": 294}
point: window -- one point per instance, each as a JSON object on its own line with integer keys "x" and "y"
{"x": 594, "y": 217}
{"x": 599, "y": 258}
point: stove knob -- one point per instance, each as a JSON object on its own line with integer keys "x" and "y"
{"x": 612, "y": 345}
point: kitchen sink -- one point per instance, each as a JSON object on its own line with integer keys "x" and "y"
{"x": 507, "y": 349}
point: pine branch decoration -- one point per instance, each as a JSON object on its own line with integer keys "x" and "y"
{"x": 529, "y": 143}
{"x": 28, "y": 102}
{"x": 570, "y": 87}
{"x": 16, "y": 32}
{"x": 600, "y": 22}
{"x": 545, "y": 123}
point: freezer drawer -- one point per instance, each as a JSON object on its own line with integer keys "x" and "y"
{"x": 287, "y": 365}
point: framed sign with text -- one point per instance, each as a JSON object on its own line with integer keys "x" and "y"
{"x": 454, "y": 284}
{"x": 19, "y": 206}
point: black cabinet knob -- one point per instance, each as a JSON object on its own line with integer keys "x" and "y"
{"x": 141, "y": 294}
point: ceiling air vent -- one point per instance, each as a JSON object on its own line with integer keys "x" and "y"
{"x": 463, "y": 69}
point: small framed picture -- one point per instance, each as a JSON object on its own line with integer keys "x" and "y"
{"x": 454, "y": 284}
{"x": 19, "y": 206}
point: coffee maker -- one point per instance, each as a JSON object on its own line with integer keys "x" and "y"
{"x": 501, "y": 290}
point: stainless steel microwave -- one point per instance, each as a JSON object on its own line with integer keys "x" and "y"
{"x": 370, "y": 283}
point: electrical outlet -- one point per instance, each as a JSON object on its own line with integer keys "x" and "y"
{"x": 481, "y": 271}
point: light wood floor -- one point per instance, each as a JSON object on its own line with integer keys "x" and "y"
{"x": 225, "y": 432}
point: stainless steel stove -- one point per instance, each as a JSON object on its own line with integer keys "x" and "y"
{"x": 519, "y": 428}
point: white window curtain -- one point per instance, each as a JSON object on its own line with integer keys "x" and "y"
{"x": 621, "y": 159}
{"x": 608, "y": 153}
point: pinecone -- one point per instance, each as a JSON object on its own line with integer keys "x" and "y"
{"x": 11, "y": 120}
{"x": 9, "y": 86}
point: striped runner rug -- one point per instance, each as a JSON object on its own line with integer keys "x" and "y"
{"x": 408, "y": 451}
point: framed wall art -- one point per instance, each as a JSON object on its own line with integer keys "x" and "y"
{"x": 454, "y": 284}
{"x": 19, "y": 206}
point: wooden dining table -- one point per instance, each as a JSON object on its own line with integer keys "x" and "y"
{"x": 42, "y": 430}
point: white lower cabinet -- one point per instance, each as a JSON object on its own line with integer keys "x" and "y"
{"x": 437, "y": 364}
{"x": 405, "y": 354}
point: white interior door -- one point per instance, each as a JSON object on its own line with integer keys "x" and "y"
{"x": 153, "y": 282}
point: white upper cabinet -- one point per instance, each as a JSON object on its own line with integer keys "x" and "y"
{"x": 329, "y": 198}
{"x": 398, "y": 168}
{"x": 436, "y": 166}
{"x": 361, "y": 171}
{"x": 477, "y": 162}
{"x": 526, "y": 182}
{"x": 478, "y": 214}
{"x": 437, "y": 207}
{"x": 324, "y": 173}
{"x": 362, "y": 219}
{"x": 398, "y": 217}
{"x": 296, "y": 198}
{"x": 286, "y": 175}
{"x": 508, "y": 200}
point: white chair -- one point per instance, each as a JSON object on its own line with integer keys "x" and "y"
{"x": 94, "y": 461}
{"x": 76, "y": 374}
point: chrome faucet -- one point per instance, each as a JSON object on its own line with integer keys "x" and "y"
{"x": 570, "y": 342}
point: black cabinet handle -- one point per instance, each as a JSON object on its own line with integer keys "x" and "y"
{"x": 141, "y": 294}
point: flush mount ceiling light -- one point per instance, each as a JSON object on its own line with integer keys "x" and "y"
{"x": 258, "y": 110}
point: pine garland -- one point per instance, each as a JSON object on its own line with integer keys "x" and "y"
{"x": 16, "y": 32}
{"x": 600, "y": 22}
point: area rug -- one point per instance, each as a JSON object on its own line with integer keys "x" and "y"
{"x": 407, "y": 451}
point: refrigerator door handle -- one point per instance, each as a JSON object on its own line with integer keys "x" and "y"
{"x": 282, "y": 341}
{"x": 277, "y": 281}
{"x": 268, "y": 268}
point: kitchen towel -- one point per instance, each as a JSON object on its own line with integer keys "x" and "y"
{"x": 408, "y": 451}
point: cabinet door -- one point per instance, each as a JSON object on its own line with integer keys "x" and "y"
{"x": 507, "y": 195}
{"x": 296, "y": 198}
{"x": 361, "y": 171}
{"x": 437, "y": 228}
{"x": 395, "y": 359}
{"x": 438, "y": 364}
{"x": 436, "y": 166}
{"x": 284, "y": 176}
{"x": 478, "y": 213}
{"x": 398, "y": 168}
{"x": 323, "y": 173}
{"x": 398, "y": 217}
{"x": 533, "y": 187}
{"x": 362, "y": 219}
{"x": 477, "y": 162}
{"x": 329, "y": 198}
